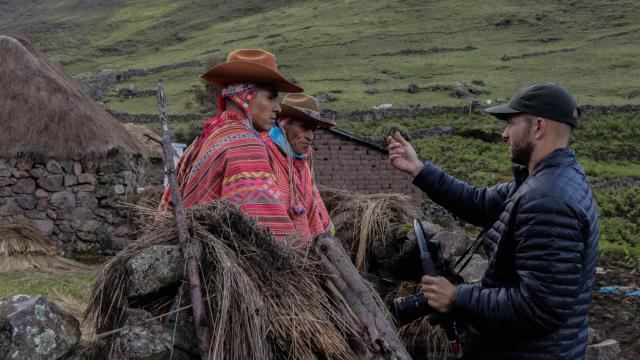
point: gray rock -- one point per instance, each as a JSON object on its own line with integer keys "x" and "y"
{"x": 6, "y": 181}
{"x": 182, "y": 323}
{"x": 35, "y": 328}
{"x": 87, "y": 179}
{"x": 87, "y": 237}
{"x": 460, "y": 91}
{"x": 19, "y": 173}
{"x": 77, "y": 168}
{"x": 475, "y": 269}
{"x": 86, "y": 187}
{"x": 142, "y": 339}
{"x": 10, "y": 208}
{"x": 52, "y": 182}
{"x": 45, "y": 226}
{"x": 41, "y": 194}
{"x": 413, "y": 89}
{"x": 606, "y": 350}
{"x": 24, "y": 186}
{"x": 371, "y": 90}
{"x": 54, "y": 167}
{"x": 35, "y": 215}
{"x": 156, "y": 268}
{"x": 63, "y": 200}
{"x": 594, "y": 336}
{"x": 6, "y": 191}
{"x": 67, "y": 166}
{"x": 85, "y": 225}
{"x": 3, "y": 165}
{"x": 27, "y": 202}
{"x": 119, "y": 189}
{"x": 452, "y": 244}
{"x": 24, "y": 164}
{"x": 70, "y": 180}
{"x": 324, "y": 97}
{"x": 37, "y": 172}
{"x": 371, "y": 81}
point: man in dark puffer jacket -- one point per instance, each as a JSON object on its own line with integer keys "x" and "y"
{"x": 541, "y": 239}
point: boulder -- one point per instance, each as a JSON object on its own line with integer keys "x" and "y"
{"x": 413, "y": 88}
{"x": 606, "y": 350}
{"x": 154, "y": 269}
{"x": 452, "y": 244}
{"x": 460, "y": 91}
{"x": 142, "y": 338}
{"x": 475, "y": 269}
{"x": 33, "y": 327}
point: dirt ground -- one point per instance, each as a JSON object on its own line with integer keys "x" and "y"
{"x": 617, "y": 316}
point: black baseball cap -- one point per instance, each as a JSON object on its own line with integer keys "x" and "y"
{"x": 544, "y": 99}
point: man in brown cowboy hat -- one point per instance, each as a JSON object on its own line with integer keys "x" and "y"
{"x": 289, "y": 145}
{"x": 228, "y": 161}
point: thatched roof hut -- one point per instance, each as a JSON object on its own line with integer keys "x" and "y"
{"x": 65, "y": 163}
{"x": 45, "y": 114}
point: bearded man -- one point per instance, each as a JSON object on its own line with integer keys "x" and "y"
{"x": 541, "y": 235}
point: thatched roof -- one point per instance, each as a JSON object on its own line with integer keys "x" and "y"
{"x": 149, "y": 139}
{"x": 44, "y": 113}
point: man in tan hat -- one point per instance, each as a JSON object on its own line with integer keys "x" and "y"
{"x": 289, "y": 145}
{"x": 228, "y": 160}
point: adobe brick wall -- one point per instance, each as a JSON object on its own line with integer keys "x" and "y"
{"x": 345, "y": 163}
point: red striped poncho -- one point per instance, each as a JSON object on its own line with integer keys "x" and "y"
{"x": 315, "y": 220}
{"x": 231, "y": 163}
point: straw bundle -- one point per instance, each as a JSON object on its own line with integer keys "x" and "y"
{"x": 368, "y": 224}
{"x": 23, "y": 247}
{"x": 264, "y": 299}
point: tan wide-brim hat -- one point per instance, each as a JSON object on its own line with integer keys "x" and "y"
{"x": 250, "y": 65}
{"x": 304, "y": 108}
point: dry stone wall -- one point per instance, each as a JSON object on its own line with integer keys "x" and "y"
{"x": 73, "y": 203}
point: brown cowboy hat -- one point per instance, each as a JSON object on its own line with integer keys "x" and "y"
{"x": 250, "y": 65}
{"x": 305, "y": 108}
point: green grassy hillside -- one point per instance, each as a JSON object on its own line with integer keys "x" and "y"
{"x": 334, "y": 46}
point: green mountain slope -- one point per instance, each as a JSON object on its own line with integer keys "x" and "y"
{"x": 334, "y": 46}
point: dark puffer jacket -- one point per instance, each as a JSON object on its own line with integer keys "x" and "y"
{"x": 542, "y": 246}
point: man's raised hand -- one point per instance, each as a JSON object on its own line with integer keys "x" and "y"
{"x": 402, "y": 156}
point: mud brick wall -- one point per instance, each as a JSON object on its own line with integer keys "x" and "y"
{"x": 345, "y": 161}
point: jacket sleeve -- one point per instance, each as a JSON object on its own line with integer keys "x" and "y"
{"x": 249, "y": 183}
{"x": 548, "y": 243}
{"x": 478, "y": 206}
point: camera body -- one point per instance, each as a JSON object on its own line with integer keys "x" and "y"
{"x": 408, "y": 308}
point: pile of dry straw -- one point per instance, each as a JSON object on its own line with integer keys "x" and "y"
{"x": 264, "y": 299}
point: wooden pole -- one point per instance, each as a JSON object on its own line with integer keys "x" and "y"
{"x": 377, "y": 332}
{"x": 195, "y": 288}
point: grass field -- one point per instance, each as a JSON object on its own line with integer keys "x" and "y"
{"x": 334, "y": 46}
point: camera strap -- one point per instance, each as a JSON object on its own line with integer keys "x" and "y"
{"x": 475, "y": 245}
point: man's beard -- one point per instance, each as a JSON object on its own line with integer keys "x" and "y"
{"x": 521, "y": 153}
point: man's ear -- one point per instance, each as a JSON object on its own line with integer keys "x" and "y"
{"x": 539, "y": 127}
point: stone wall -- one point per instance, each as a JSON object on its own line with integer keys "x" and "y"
{"x": 73, "y": 203}
{"x": 345, "y": 161}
